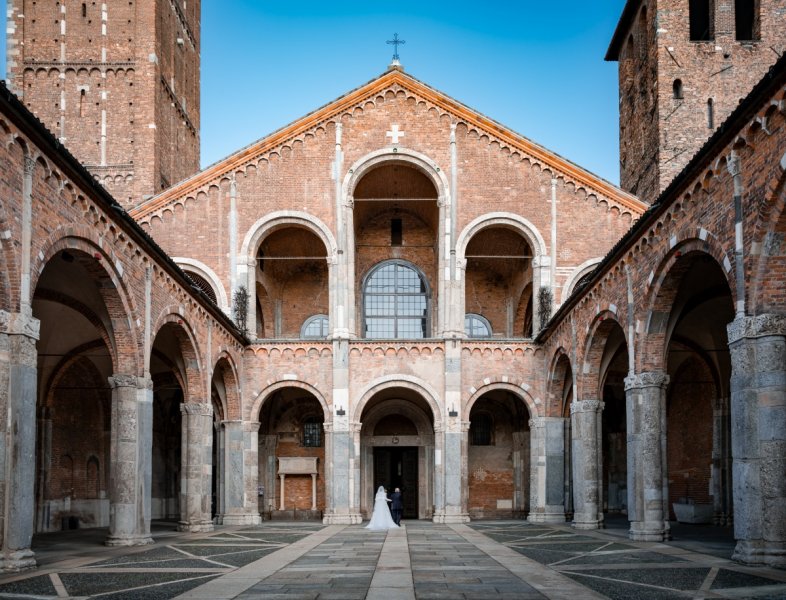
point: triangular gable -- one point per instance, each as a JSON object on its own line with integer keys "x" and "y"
{"x": 391, "y": 79}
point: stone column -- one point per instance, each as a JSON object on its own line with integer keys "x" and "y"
{"x": 130, "y": 469}
{"x": 645, "y": 395}
{"x": 439, "y": 474}
{"x": 758, "y": 438}
{"x": 587, "y": 474}
{"x": 18, "y": 360}
{"x": 455, "y": 452}
{"x": 547, "y": 468}
{"x": 196, "y": 457}
{"x": 238, "y": 465}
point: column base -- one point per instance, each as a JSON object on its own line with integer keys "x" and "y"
{"x": 647, "y": 532}
{"x": 348, "y": 519}
{"x": 760, "y": 552}
{"x": 129, "y": 540}
{"x": 546, "y": 517}
{"x": 203, "y": 527}
{"x": 252, "y": 519}
{"x": 586, "y": 523}
{"x": 21, "y": 560}
{"x": 448, "y": 519}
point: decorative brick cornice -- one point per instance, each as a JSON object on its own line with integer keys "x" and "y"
{"x": 392, "y": 80}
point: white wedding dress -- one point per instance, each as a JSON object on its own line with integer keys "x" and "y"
{"x": 381, "y": 520}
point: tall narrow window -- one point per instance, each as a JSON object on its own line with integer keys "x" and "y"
{"x": 678, "y": 89}
{"x": 81, "y": 103}
{"x": 710, "y": 114}
{"x": 701, "y": 20}
{"x": 480, "y": 430}
{"x": 84, "y": 9}
{"x": 746, "y": 19}
{"x": 312, "y": 432}
{"x": 396, "y": 231}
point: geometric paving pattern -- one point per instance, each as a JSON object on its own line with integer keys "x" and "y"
{"x": 160, "y": 571}
{"x": 621, "y": 571}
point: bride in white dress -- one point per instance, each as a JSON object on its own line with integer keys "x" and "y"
{"x": 380, "y": 518}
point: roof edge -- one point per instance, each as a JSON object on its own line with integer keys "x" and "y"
{"x": 623, "y": 26}
{"x": 335, "y": 107}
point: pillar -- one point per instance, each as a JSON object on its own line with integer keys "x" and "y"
{"x": 645, "y": 395}
{"x": 130, "y": 469}
{"x": 585, "y": 418}
{"x": 721, "y": 463}
{"x": 238, "y": 463}
{"x": 758, "y": 438}
{"x": 18, "y": 360}
{"x": 196, "y": 473}
{"x": 547, "y": 468}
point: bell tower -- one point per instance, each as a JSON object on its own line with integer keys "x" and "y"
{"x": 116, "y": 82}
{"x": 684, "y": 65}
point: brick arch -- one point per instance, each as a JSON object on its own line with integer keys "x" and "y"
{"x": 601, "y": 328}
{"x": 580, "y": 271}
{"x": 501, "y": 219}
{"x": 557, "y": 372}
{"x": 403, "y": 408}
{"x": 64, "y": 364}
{"x": 226, "y": 366}
{"x": 411, "y": 158}
{"x": 201, "y": 269}
{"x": 193, "y": 375}
{"x": 772, "y": 220}
{"x": 282, "y": 219}
{"x": 415, "y": 384}
{"x": 666, "y": 279}
{"x": 262, "y": 397}
{"x": 516, "y": 390}
{"x": 118, "y": 301}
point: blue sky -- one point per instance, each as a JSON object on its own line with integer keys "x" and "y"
{"x": 536, "y": 67}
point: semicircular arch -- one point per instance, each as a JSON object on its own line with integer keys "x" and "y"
{"x": 415, "y": 384}
{"x": 269, "y": 390}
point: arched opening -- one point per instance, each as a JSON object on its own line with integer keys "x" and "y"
{"x": 699, "y": 367}
{"x": 396, "y": 302}
{"x": 225, "y": 401}
{"x": 292, "y": 455}
{"x": 167, "y": 369}
{"x": 75, "y": 360}
{"x": 498, "y": 456}
{"x": 396, "y": 219}
{"x": 202, "y": 285}
{"x": 561, "y": 385}
{"x": 677, "y": 90}
{"x": 498, "y": 282}
{"x": 291, "y": 281}
{"x": 397, "y": 450}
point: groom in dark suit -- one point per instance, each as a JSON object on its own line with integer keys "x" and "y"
{"x": 396, "y": 506}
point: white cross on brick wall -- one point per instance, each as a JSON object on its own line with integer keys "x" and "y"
{"x": 394, "y": 134}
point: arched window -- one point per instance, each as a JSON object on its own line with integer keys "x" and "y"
{"x": 677, "y": 87}
{"x": 710, "y": 114}
{"x": 312, "y": 432}
{"x": 315, "y": 328}
{"x": 476, "y": 326}
{"x": 480, "y": 429}
{"x": 395, "y": 302}
{"x": 202, "y": 284}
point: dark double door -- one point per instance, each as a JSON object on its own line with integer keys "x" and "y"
{"x": 398, "y": 468}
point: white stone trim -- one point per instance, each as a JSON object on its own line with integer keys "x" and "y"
{"x": 504, "y": 219}
{"x": 282, "y": 218}
{"x": 201, "y": 269}
{"x": 425, "y": 389}
{"x": 578, "y": 272}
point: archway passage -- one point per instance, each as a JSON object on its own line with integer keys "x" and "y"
{"x": 397, "y": 450}
{"x": 292, "y": 455}
{"x": 291, "y": 282}
{"x": 562, "y": 397}
{"x": 499, "y": 457}
{"x": 396, "y": 218}
{"x": 74, "y": 363}
{"x": 498, "y": 277}
{"x": 699, "y": 367}
{"x": 614, "y": 426}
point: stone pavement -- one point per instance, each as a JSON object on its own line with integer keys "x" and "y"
{"x": 294, "y": 561}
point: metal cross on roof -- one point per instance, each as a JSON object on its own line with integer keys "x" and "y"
{"x": 396, "y": 42}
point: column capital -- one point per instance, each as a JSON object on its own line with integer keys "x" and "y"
{"x": 537, "y": 422}
{"x": 197, "y": 408}
{"x": 19, "y": 324}
{"x": 120, "y": 380}
{"x": 251, "y": 426}
{"x": 645, "y": 380}
{"x": 582, "y": 406}
{"x": 29, "y": 165}
{"x": 755, "y": 327}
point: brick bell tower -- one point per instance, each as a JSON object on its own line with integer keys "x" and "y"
{"x": 117, "y": 82}
{"x": 684, "y": 65}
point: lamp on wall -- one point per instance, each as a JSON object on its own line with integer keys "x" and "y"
{"x": 340, "y": 411}
{"x": 452, "y": 412}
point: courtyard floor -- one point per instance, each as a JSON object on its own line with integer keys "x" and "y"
{"x": 484, "y": 560}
